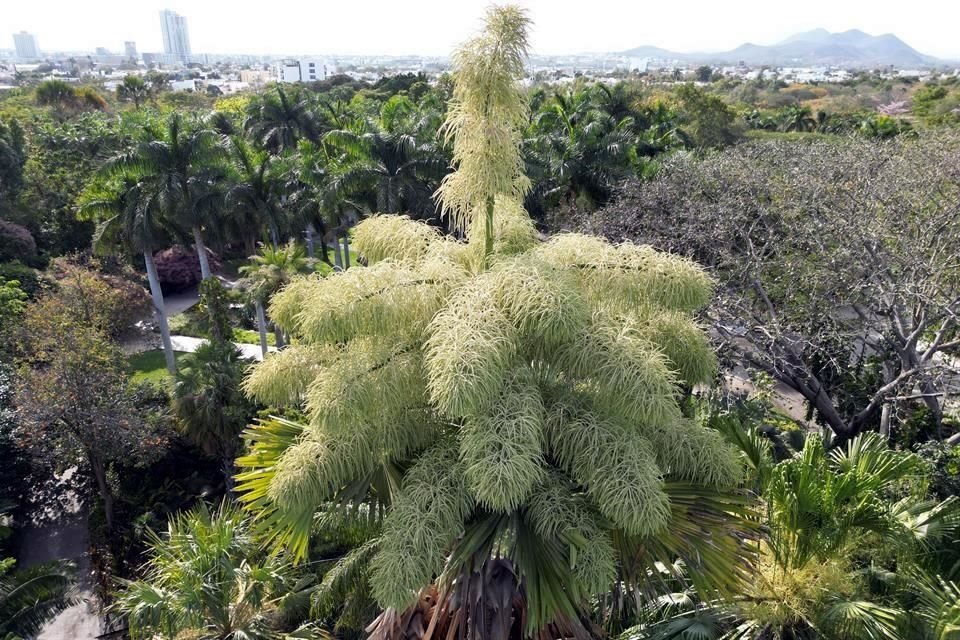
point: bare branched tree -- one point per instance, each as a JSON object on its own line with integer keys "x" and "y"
{"x": 839, "y": 264}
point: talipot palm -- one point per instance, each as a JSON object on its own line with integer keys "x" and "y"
{"x": 511, "y": 406}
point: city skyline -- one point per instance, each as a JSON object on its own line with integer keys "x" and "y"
{"x": 560, "y": 26}
{"x": 176, "y": 35}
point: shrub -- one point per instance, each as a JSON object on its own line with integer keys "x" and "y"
{"x": 179, "y": 268}
{"x": 16, "y": 242}
{"x": 110, "y": 302}
{"x": 31, "y": 281}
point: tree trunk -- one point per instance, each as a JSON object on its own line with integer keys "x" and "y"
{"x": 262, "y": 327}
{"x": 885, "y": 420}
{"x": 311, "y": 249}
{"x": 337, "y": 259}
{"x": 346, "y": 251}
{"x": 160, "y": 311}
{"x": 201, "y": 253}
{"x": 106, "y": 496}
{"x": 274, "y": 237}
{"x": 227, "y": 467}
{"x": 278, "y": 334}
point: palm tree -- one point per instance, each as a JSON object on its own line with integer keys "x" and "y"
{"x": 821, "y": 506}
{"x": 796, "y": 118}
{"x": 207, "y": 578}
{"x": 581, "y": 146}
{"x": 29, "y": 598}
{"x": 508, "y": 408}
{"x": 270, "y": 271}
{"x": 278, "y": 123}
{"x": 179, "y": 170}
{"x": 390, "y": 163}
{"x": 315, "y": 203}
{"x": 208, "y": 404}
{"x": 254, "y": 198}
{"x": 618, "y": 102}
{"x": 128, "y": 217}
{"x": 133, "y": 89}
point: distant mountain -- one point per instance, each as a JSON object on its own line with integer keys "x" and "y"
{"x": 819, "y": 47}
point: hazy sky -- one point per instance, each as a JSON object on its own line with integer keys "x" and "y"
{"x": 433, "y": 27}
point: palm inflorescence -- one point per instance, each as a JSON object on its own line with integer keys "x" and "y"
{"x": 538, "y": 399}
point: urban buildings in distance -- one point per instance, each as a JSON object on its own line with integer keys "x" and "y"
{"x": 26, "y": 45}
{"x": 176, "y": 38}
{"x": 303, "y": 70}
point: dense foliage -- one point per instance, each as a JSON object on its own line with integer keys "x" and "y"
{"x": 466, "y": 422}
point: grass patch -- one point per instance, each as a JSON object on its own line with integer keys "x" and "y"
{"x": 188, "y": 323}
{"x": 794, "y": 136}
{"x": 247, "y": 336}
{"x": 150, "y": 366}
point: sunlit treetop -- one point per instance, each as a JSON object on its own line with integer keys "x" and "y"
{"x": 501, "y": 396}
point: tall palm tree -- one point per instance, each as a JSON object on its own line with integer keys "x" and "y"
{"x": 389, "y": 164}
{"x": 270, "y": 271}
{"x": 128, "y": 217}
{"x": 315, "y": 202}
{"x": 179, "y": 169}
{"x": 254, "y": 198}
{"x": 278, "y": 122}
{"x": 29, "y": 598}
{"x": 582, "y": 146}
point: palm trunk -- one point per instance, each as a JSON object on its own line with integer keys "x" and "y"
{"x": 310, "y": 243}
{"x": 278, "y": 334}
{"x": 337, "y": 259}
{"x": 160, "y": 311}
{"x": 201, "y": 253}
{"x": 274, "y": 237}
{"x": 324, "y": 249}
{"x": 346, "y": 251}
{"x": 262, "y": 327}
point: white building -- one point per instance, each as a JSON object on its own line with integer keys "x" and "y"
{"x": 183, "y": 85}
{"x": 303, "y": 70}
{"x": 26, "y": 45}
{"x": 257, "y": 77}
{"x": 130, "y": 49}
{"x": 176, "y": 38}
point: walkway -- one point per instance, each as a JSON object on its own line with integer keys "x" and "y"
{"x": 189, "y": 344}
{"x": 58, "y": 531}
